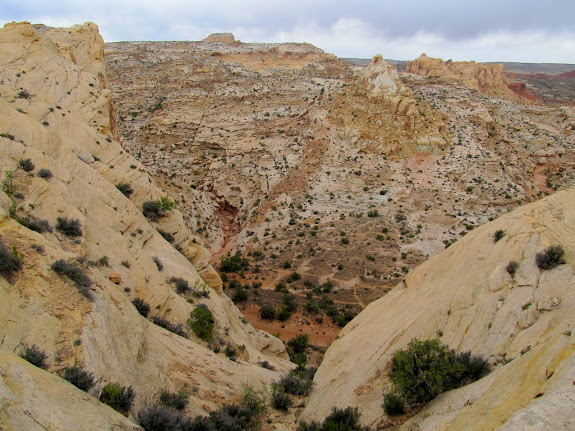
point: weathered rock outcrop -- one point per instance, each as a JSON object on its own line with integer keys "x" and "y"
{"x": 524, "y": 324}
{"x": 220, "y": 37}
{"x": 55, "y": 109}
{"x": 390, "y": 120}
{"x": 487, "y": 78}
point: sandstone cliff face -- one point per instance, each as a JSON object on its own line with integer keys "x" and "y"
{"x": 390, "y": 123}
{"x": 55, "y": 108}
{"x": 466, "y": 296}
{"x": 487, "y": 78}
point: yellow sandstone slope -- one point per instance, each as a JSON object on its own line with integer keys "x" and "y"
{"x": 55, "y": 109}
{"x": 523, "y": 324}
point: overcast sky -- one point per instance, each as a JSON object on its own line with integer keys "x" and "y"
{"x": 487, "y": 30}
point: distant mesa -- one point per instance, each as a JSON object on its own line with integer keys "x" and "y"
{"x": 220, "y": 37}
{"x": 567, "y": 75}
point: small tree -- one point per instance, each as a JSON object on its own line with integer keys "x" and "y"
{"x": 393, "y": 404}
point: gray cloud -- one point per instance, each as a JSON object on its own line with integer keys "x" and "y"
{"x": 344, "y": 27}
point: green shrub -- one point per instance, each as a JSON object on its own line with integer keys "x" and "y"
{"x": 35, "y": 224}
{"x": 26, "y": 165}
{"x": 79, "y": 377}
{"x": 167, "y": 236}
{"x": 158, "y": 263}
{"x": 74, "y": 273}
{"x": 550, "y": 257}
{"x": 202, "y": 322}
{"x": 511, "y": 267}
{"x": 294, "y": 276}
{"x": 240, "y": 295}
{"x": 152, "y": 210}
{"x": 498, "y": 235}
{"x": 280, "y": 400}
{"x": 296, "y": 383}
{"x": 267, "y": 312}
{"x": 35, "y": 356}
{"x": 235, "y": 263}
{"x": 142, "y": 306}
{"x": 45, "y": 173}
{"x": 69, "y": 227}
{"x": 428, "y": 368}
{"x": 393, "y": 404}
{"x": 266, "y": 365}
{"x": 10, "y": 260}
{"x": 119, "y": 397}
{"x": 297, "y": 349}
{"x": 178, "y": 400}
{"x": 182, "y": 286}
{"x": 126, "y": 189}
{"x": 338, "y": 420}
{"x": 175, "y": 328}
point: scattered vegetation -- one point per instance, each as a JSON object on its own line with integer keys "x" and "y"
{"x": 235, "y": 263}
{"x": 74, "y": 273}
{"x": 550, "y": 257}
{"x": 119, "y": 397}
{"x": 35, "y": 356}
{"x": 79, "y": 377}
{"x": 69, "y": 227}
{"x": 178, "y": 400}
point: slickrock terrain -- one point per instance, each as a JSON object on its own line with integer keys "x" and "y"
{"x": 304, "y": 163}
{"x": 522, "y": 323}
{"x": 56, "y": 110}
{"x": 147, "y": 183}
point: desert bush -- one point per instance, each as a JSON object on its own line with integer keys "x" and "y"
{"x": 240, "y": 295}
{"x": 142, "y": 306}
{"x": 202, "y": 322}
{"x": 158, "y": 263}
{"x": 253, "y": 400}
{"x": 45, "y": 173}
{"x": 235, "y": 263}
{"x": 266, "y": 365}
{"x": 167, "y": 236}
{"x": 26, "y": 165}
{"x": 267, "y": 312}
{"x": 158, "y": 417}
{"x": 428, "y": 368}
{"x": 175, "y": 328}
{"x": 550, "y": 257}
{"x": 10, "y": 260}
{"x": 35, "y": 224}
{"x": 35, "y": 356}
{"x": 74, "y": 273}
{"x": 297, "y": 349}
{"x": 177, "y": 400}
{"x": 280, "y": 400}
{"x": 153, "y": 210}
{"x": 338, "y": 420}
{"x": 511, "y": 267}
{"x": 119, "y": 397}
{"x": 182, "y": 286}
{"x": 126, "y": 189}
{"x": 294, "y": 276}
{"x": 393, "y": 404}
{"x": 296, "y": 384}
{"x": 69, "y": 227}
{"x": 79, "y": 377}
{"x": 498, "y": 235}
